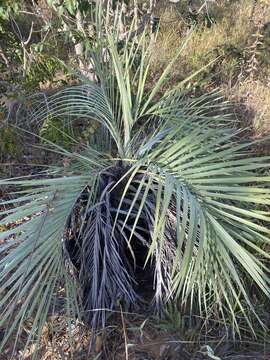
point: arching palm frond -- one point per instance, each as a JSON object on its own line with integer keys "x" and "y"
{"x": 163, "y": 198}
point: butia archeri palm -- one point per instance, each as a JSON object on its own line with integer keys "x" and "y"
{"x": 162, "y": 198}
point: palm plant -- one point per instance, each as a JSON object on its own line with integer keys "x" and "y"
{"x": 162, "y": 197}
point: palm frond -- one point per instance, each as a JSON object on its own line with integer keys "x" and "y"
{"x": 164, "y": 199}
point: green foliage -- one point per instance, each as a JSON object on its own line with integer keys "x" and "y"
{"x": 55, "y": 131}
{"x": 62, "y": 134}
{"x": 177, "y": 321}
{"x": 9, "y": 143}
{"x": 71, "y": 6}
{"x": 43, "y": 69}
{"x": 9, "y": 43}
{"x": 7, "y": 7}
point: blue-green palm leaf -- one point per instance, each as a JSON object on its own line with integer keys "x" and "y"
{"x": 163, "y": 190}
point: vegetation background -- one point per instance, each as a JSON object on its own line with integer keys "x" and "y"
{"x": 42, "y": 42}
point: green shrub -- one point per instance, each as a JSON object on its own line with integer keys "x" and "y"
{"x": 9, "y": 146}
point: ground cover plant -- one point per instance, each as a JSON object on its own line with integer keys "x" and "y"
{"x": 162, "y": 198}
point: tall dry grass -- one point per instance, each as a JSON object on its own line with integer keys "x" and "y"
{"x": 237, "y": 39}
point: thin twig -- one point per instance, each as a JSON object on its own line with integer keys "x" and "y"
{"x": 125, "y": 332}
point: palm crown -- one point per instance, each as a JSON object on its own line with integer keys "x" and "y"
{"x": 163, "y": 195}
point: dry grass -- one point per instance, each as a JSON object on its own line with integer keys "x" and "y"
{"x": 237, "y": 39}
{"x": 144, "y": 341}
{"x": 231, "y": 30}
{"x": 254, "y": 95}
